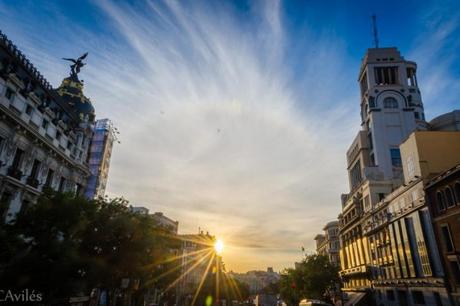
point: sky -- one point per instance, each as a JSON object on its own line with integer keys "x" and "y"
{"x": 235, "y": 116}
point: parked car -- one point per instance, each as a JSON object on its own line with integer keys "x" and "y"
{"x": 306, "y": 302}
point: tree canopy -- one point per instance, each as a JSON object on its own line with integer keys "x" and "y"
{"x": 65, "y": 245}
{"x": 313, "y": 278}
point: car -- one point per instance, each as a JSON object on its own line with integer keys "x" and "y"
{"x": 306, "y": 302}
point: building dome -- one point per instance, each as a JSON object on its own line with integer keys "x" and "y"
{"x": 71, "y": 92}
{"x": 446, "y": 122}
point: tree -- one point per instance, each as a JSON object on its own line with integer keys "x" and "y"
{"x": 313, "y": 278}
{"x": 65, "y": 245}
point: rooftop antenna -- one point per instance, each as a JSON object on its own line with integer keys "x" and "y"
{"x": 374, "y": 31}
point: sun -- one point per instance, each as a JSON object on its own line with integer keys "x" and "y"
{"x": 219, "y": 246}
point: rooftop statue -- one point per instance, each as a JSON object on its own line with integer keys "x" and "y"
{"x": 77, "y": 64}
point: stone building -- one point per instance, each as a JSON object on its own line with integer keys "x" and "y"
{"x": 199, "y": 261}
{"x": 391, "y": 108}
{"x": 443, "y": 194}
{"x": 44, "y": 132}
{"x": 405, "y": 263}
{"x": 388, "y": 249}
{"x": 162, "y": 220}
{"x": 328, "y": 244}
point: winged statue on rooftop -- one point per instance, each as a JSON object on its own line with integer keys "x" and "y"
{"x": 77, "y": 64}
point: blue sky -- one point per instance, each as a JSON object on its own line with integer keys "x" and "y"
{"x": 235, "y": 116}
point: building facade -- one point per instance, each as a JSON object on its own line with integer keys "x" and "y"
{"x": 44, "y": 132}
{"x": 388, "y": 250}
{"x": 163, "y": 221}
{"x": 199, "y": 261}
{"x": 257, "y": 280}
{"x": 443, "y": 193}
{"x": 100, "y": 153}
{"x": 391, "y": 108}
{"x": 328, "y": 244}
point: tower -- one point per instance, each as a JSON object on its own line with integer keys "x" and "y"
{"x": 391, "y": 107}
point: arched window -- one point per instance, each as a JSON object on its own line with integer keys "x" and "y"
{"x": 390, "y": 102}
{"x": 457, "y": 192}
{"x": 449, "y": 197}
{"x": 440, "y": 200}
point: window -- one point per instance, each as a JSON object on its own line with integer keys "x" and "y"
{"x": 29, "y": 109}
{"x": 355, "y": 175}
{"x": 9, "y": 94}
{"x": 363, "y": 84}
{"x": 418, "y": 297}
{"x": 17, "y": 159}
{"x": 2, "y": 142}
{"x": 371, "y": 102}
{"x": 440, "y": 201}
{"x": 78, "y": 189}
{"x": 447, "y": 238}
{"x": 455, "y": 269}
{"x": 386, "y": 75}
{"x": 390, "y": 295}
{"x": 456, "y": 188}
{"x": 62, "y": 184}
{"x": 369, "y": 137}
{"x": 35, "y": 167}
{"x": 395, "y": 157}
{"x": 411, "y": 79}
{"x": 417, "y": 115}
{"x": 390, "y": 102}
{"x": 49, "y": 178}
{"x": 45, "y": 124}
{"x": 449, "y": 197}
{"x": 367, "y": 204}
{"x": 381, "y": 196}
{"x": 58, "y": 135}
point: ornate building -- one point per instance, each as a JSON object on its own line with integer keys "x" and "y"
{"x": 385, "y": 227}
{"x": 44, "y": 132}
{"x": 443, "y": 193}
{"x": 328, "y": 243}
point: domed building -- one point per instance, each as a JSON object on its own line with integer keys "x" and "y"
{"x": 45, "y": 132}
{"x": 71, "y": 92}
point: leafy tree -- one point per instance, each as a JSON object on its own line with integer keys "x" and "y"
{"x": 314, "y": 278}
{"x": 65, "y": 245}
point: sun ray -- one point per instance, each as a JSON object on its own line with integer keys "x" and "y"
{"x": 203, "y": 278}
{"x": 217, "y": 277}
{"x": 235, "y": 287}
{"x": 177, "y": 257}
{"x": 188, "y": 271}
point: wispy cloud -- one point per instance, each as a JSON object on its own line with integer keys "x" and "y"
{"x": 436, "y": 51}
{"x": 230, "y": 120}
{"x": 224, "y": 141}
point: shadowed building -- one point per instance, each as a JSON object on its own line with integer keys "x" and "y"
{"x": 44, "y": 132}
{"x": 199, "y": 262}
{"x": 443, "y": 193}
{"x": 328, "y": 244}
{"x": 162, "y": 221}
